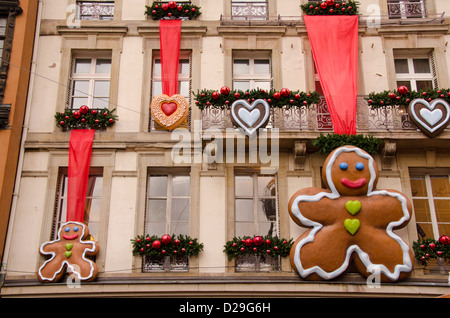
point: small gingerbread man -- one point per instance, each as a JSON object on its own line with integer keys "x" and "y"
{"x": 351, "y": 221}
{"x": 69, "y": 252}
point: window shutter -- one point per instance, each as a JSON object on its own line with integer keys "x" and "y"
{"x": 432, "y": 58}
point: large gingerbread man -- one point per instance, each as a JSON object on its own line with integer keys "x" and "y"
{"x": 69, "y": 252}
{"x": 350, "y": 221}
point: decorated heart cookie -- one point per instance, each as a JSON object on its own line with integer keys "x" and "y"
{"x": 350, "y": 221}
{"x": 430, "y": 117}
{"x": 169, "y": 112}
{"x": 250, "y": 117}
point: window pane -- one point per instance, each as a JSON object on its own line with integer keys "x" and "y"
{"x": 103, "y": 66}
{"x": 158, "y": 229}
{"x": 157, "y": 67}
{"x": 183, "y": 88}
{"x": 401, "y": 66}
{"x": 243, "y": 186}
{"x": 404, "y": 83}
{"x": 427, "y": 229}
{"x": 80, "y": 88}
{"x": 263, "y": 85}
{"x": 266, "y": 186}
{"x": 3, "y": 26}
{"x": 421, "y": 66}
{"x": 418, "y": 187}
{"x": 440, "y": 186}
{"x": 244, "y": 228}
{"x": 180, "y": 210}
{"x": 244, "y": 210}
{"x": 98, "y": 184}
{"x": 183, "y": 67}
{"x": 100, "y": 102}
{"x": 267, "y": 210}
{"x": 157, "y": 88}
{"x": 241, "y": 85}
{"x": 444, "y": 229}
{"x": 424, "y": 85}
{"x": 157, "y": 186}
{"x": 181, "y": 186}
{"x": 262, "y": 67}
{"x": 178, "y": 228}
{"x": 82, "y": 65}
{"x": 421, "y": 210}
{"x": 77, "y": 102}
{"x": 241, "y": 66}
{"x": 101, "y": 88}
{"x": 267, "y": 229}
{"x": 157, "y": 210}
{"x": 442, "y": 210}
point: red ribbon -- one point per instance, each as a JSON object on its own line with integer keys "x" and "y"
{"x": 169, "y": 38}
{"x": 80, "y": 149}
{"x": 334, "y": 44}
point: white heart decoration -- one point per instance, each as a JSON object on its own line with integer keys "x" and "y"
{"x": 249, "y": 116}
{"x": 431, "y": 115}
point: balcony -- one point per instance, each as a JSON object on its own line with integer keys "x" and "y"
{"x": 407, "y": 9}
{"x": 95, "y": 10}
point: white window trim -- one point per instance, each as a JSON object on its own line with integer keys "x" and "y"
{"x": 414, "y": 77}
{"x": 251, "y": 77}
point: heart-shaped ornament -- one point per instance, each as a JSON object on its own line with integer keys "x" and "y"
{"x": 353, "y": 207}
{"x": 430, "y": 117}
{"x": 250, "y": 117}
{"x": 352, "y": 225}
{"x": 69, "y": 246}
{"x": 68, "y": 254}
{"x": 169, "y": 112}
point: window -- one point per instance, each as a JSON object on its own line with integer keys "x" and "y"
{"x": 93, "y": 201}
{"x": 403, "y": 9}
{"x": 431, "y": 202}
{"x": 249, "y": 9}
{"x": 252, "y": 72}
{"x": 90, "y": 82}
{"x": 168, "y": 204}
{"x": 95, "y": 10}
{"x": 415, "y": 72}
{"x": 256, "y": 205}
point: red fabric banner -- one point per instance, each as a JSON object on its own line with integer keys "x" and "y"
{"x": 334, "y": 44}
{"x": 169, "y": 39}
{"x": 80, "y": 149}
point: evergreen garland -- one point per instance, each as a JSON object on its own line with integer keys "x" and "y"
{"x": 428, "y": 249}
{"x": 327, "y": 143}
{"x": 179, "y": 245}
{"x": 330, "y": 7}
{"x": 85, "y": 118}
{"x": 172, "y": 10}
{"x": 276, "y": 99}
{"x": 400, "y": 97}
{"x": 257, "y": 245}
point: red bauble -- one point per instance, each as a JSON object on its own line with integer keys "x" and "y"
{"x": 284, "y": 92}
{"x": 177, "y": 242}
{"x": 403, "y": 90}
{"x": 179, "y": 8}
{"x": 166, "y": 239}
{"x": 172, "y": 4}
{"x": 165, "y": 6}
{"x": 84, "y": 109}
{"x": 276, "y": 95}
{"x": 258, "y": 240}
{"x": 94, "y": 112}
{"x": 330, "y": 2}
{"x": 391, "y": 95}
{"x": 248, "y": 242}
{"x": 268, "y": 242}
{"x": 225, "y": 90}
{"x": 156, "y": 244}
{"x": 444, "y": 240}
{"x": 62, "y": 123}
{"x": 215, "y": 95}
{"x": 323, "y": 5}
{"x": 76, "y": 114}
{"x": 237, "y": 95}
{"x": 432, "y": 246}
{"x": 439, "y": 253}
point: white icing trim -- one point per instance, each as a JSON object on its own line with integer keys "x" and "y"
{"x": 407, "y": 263}
{"x": 250, "y": 131}
{"x": 65, "y": 262}
{"x": 431, "y": 107}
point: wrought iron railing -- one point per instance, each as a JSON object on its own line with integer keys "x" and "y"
{"x": 249, "y": 10}
{"x": 404, "y": 9}
{"x": 95, "y": 10}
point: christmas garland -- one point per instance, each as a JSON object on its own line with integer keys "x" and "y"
{"x": 155, "y": 246}
{"x": 327, "y": 143}
{"x": 428, "y": 248}
{"x": 330, "y": 7}
{"x": 257, "y": 245}
{"x": 402, "y": 96}
{"x": 172, "y": 10}
{"x": 276, "y": 99}
{"x": 85, "y": 118}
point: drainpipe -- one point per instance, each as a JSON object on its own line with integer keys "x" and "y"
{"x": 22, "y": 146}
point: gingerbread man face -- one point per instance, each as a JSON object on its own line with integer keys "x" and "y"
{"x": 69, "y": 252}
{"x": 350, "y": 221}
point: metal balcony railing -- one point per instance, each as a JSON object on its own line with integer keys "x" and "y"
{"x": 249, "y": 10}
{"x": 405, "y": 9}
{"x": 95, "y": 10}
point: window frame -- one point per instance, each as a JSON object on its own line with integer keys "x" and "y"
{"x": 251, "y": 77}
{"x": 413, "y": 77}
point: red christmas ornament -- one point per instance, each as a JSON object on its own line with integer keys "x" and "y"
{"x": 268, "y": 242}
{"x": 225, "y": 90}
{"x": 156, "y": 244}
{"x": 276, "y": 95}
{"x": 391, "y": 95}
{"x": 215, "y": 95}
{"x": 76, "y": 114}
{"x": 284, "y": 92}
{"x": 403, "y": 90}
{"x": 84, "y": 109}
{"x": 432, "y": 246}
{"x": 258, "y": 240}
{"x": 439, "y": 253}
{"x": 62, "y": 123}
{"x": 323, "y": 5}
{"x": 248, "y": 242}
{"x": 444, "y": 239}
{"x": 166, "y": 239}
{"x": 179, "y": 8}
{"x": 237, "y": 95}
{"x": 330, "y": 2}
{"x": 172, "y": 4}
{"x": 165, "y": 6}
{"x": 177, "y": 242}
{"x": 94, "y": 112}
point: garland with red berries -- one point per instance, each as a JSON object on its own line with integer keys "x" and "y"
{"x": 172, "y": 10}
{"x": 428, "y": 249}
{"x": 257, "y": 245}
{"x": 225, "y": 97}
{"x": 402, "y": 96}
{"x": 330, "y": 7}
{"x": 85, "y": 118}
{"x": 166, "y": 245}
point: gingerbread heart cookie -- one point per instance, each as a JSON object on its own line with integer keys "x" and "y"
{"x": 169, "y": 112}
{"x": 250, "y": 117}
{"x": 430, "y": 117}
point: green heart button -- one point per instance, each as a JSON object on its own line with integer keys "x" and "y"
{"x": 68, "y": 254}
{"x": 69, "y": 246}
{"x": 353, "y": 207}
{"x": 351, "y": 225}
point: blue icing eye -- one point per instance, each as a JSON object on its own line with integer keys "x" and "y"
{"x": 343, "y": 166}
{"x": 67, "y": 229}
{"x": 359, "y": 166}
{"x": 76, "y": 228}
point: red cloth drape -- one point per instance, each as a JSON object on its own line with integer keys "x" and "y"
{"x": 80, "y": 149}
{"x": 334, "y": 44}
{"x": 169, "y": 39}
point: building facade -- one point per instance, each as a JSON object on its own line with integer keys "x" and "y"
{"x": 106, "y": 54}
